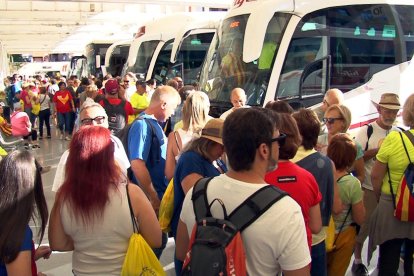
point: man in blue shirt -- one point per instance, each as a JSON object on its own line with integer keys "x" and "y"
{"x": 147, "y": 145}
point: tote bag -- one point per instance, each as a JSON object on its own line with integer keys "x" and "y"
{"x": 139, "y": 259}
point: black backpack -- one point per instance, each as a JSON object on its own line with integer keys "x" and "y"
{"x": 216, "y": 246}
{"x": 155, "y": 151}
{"x": 117, "y": 117}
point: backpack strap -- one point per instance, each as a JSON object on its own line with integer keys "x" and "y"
{"x": 370, "y": 129}
{"x": 154, "y": 149}
{"x": 106, "y": 102}
{"x": 411, "y": 137}
{"x": 199, "y": 198}
{"x": 255, "y": 205}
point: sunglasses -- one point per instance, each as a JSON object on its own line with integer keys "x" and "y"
{"x": 281, "y": 139}
{"x": 330, "y": 120}
{"x": 89, "y": 121}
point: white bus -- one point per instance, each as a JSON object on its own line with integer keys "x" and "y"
{"x": 92, "y": 61}
{"x": 174, "y": 45}
{"x": 295, "y": 50}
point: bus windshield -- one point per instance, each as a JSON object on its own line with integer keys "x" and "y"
{"x": 192, "y": 52}
{"x": 118, "y": 59}
{"x": 225, "y": 69}
{"x": 145, "y": 53}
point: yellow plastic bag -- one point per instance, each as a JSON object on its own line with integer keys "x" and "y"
{"x": 140, "y": 259}
{"x": 167, "y": 208}
{"x": 330, "y": 236}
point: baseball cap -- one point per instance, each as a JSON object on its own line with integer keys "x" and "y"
{"x": 213, "y": 130}
{"x": 140, "y": 83}
{"x": 111, "y": 86}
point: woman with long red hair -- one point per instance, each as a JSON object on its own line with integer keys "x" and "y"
{"x": 91, "y": 215}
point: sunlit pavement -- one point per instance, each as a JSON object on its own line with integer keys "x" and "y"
{"x": 60, "y": 263}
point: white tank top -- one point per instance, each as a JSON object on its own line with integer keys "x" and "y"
{"x": 100, "y": 248}
{"x": 185, "y": 137}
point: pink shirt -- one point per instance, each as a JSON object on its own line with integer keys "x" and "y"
{"x": 20, "y": 122}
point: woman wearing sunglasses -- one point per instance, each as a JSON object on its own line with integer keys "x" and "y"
{"x": 337, "y": 119}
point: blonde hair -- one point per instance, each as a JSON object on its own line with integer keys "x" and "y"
{"x": 195, "y": 111}
{"x": 90, "y": 90}
{"x": 165, "y": 93}
{"x": 344, "y": 112}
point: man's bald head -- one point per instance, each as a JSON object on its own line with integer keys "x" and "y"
{"x": 238, "y": 97}
{"x": 332, "y": 96}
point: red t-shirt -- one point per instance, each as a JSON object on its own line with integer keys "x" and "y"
{"x": 115, "y": 101}
{"x": 63, "y": 100}
{"x": 23, "y": 95}
{"x": 300, "y": 185}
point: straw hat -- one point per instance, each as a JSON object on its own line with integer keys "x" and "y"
{"x": 213, "y": 130}
{"x": 389, "y": 101}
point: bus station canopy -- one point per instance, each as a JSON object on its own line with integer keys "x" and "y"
{"x": 42, "y": 27}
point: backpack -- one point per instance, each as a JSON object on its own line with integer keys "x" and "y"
{"x": 117, "y": 117}
{"x": 154, "y": 152}
{"x": 216, "y": 246}
{"x": 404, "y": 199}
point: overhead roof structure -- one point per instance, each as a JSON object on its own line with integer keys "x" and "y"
{"x": 42, "y": 27}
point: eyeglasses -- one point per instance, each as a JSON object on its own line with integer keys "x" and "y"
{"x": 89, "y": 121}
{"x": 325, "y": 102}
{"x": 126, "y": 81}
{"x": 281, "y": 139}
{"x": 330, "y": 120}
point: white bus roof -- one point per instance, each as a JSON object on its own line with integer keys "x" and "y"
{"x": 261, "y": 12}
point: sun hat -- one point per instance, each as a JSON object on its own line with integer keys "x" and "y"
{"x": 389, "y": 101}
{"x": 213, "y": 130}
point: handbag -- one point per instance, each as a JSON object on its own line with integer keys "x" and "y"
{"x": 330, "y": 239}
{"x": 139, "y": 259}
{"x": 166, "y": 211}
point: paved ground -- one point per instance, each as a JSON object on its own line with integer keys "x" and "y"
{"x": 59, "y": 263}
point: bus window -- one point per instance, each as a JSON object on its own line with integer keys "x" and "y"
{"x": 406, "y": 17}
{"x": 343, "y": 45}
{"x": 192, "y": 53}
{"x": 145, "y": 53}
{"x": 226, "y": 68}
{"x": 162, "y": 62}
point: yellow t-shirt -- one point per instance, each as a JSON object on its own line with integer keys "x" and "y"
{"x": 139, "y": 101}
{"x": 393, "y": 154}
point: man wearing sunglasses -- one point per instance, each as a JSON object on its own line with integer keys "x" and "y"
{"x": 92, "y": 114}
{"x": 275, "y": 241}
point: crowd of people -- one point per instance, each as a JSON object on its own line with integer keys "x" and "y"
{"x": 330, "y": 176}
